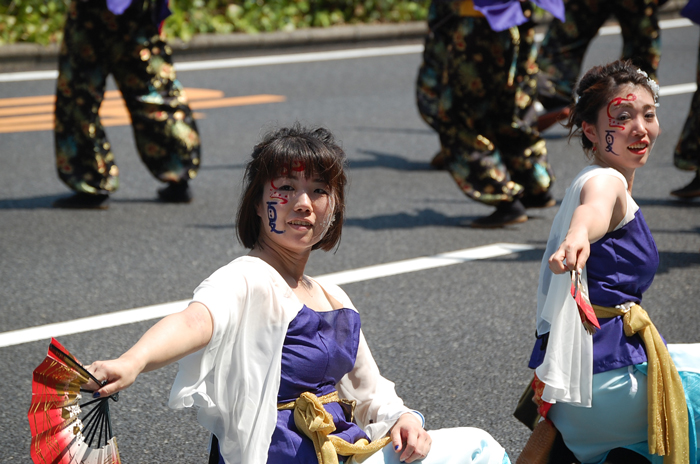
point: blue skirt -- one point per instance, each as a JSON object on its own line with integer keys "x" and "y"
{"x": 618, "y": 415}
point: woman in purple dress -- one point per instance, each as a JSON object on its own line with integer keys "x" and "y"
{"x": 276, "y": 361}
{"x": 617, "y": 386}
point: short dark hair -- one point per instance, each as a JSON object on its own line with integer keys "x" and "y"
{"x": 596, "y": 88}
{"x": 321, "y": 156}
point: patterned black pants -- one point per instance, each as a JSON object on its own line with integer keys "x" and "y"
{"x": 565, "y": 44}
{"x": 687, "y": 153}
{"x": 476, "y": 88}
{"x": 96, "y": 44}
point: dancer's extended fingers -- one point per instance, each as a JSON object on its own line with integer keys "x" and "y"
{"x": 557, "y": 262}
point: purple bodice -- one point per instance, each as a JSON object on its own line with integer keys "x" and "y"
{"x": 631, "y": 253}
{"x": 319, "y": 349}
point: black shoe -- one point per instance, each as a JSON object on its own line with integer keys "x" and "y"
{"x": 691, "y": 190}
{"x": 176, "y": 192}
{"x": 440, "y": 161}
{"x": 541, "y": 200}
{"x": 82, "y": 200}
{"x": 506, "y": 213}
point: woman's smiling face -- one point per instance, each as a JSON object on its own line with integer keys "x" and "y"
{"x": 626, "y": 129}
{"x": 295, "y": 211}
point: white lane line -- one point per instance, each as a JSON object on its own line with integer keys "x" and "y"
{"x": 309, "y": 57}
{"x": 28, "y": 76}
{"x": 677, "y": 89}
{"x": 419, "y": 264}
{"x": 299, "y": 58}
{"x": 665, "y": 24}
{"x": 129, "y": 316}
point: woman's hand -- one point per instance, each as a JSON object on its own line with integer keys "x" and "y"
{"x": 410, "y": 438}
{"x": 118, "y": 373}
{"x": 572, "y": 253}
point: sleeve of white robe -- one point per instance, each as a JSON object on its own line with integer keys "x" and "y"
{"x": 234, "y": 380}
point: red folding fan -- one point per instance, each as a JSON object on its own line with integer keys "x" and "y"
{"x": 585, "y": 310}
{"x": 64, "y": 429}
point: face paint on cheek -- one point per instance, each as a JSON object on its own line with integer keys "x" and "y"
{"x": 275, "y": 194}
{"x": 272, "y": 217}
{"x": 609, "y": 140}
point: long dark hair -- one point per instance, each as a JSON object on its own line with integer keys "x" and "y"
{"x": 320, "y": 156}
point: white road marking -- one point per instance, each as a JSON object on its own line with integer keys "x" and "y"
{"x": 129, "y": 316}
{"x": 308, "y": 57}
{"x": 677, "y": 89}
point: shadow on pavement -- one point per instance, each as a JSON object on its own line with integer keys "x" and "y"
{"x": 677, "y": 260}
{"x": 388, "y": 160}
{"x": 422, "y": 218}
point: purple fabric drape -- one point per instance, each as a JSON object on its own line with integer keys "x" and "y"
{"x": 504, "y": 14}
{"x": 160, "y": 11}
{"x": 118, "y": 6}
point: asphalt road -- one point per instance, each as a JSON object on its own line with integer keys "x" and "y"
{"x": 455, "y": 339}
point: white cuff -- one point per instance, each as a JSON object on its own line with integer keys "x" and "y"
{"x": 422, "y": 418}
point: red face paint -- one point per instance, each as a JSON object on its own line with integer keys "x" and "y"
{"x": 617, "y": 102}
{"x": 277, "y": 195}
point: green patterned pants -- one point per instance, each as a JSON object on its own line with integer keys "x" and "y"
{"x": 475, "y": 87}
{"x": 96, "y": 44}
{"x": 565, "y": 44}
{"x": 687, "y": 153}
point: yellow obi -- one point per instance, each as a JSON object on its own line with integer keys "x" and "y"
{"x": 315, "y": 422}
{"x": 668, "y": 412}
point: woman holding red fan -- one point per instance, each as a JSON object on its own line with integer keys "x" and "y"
{"x": 275, "y": 360}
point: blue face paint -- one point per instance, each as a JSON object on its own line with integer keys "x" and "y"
{"x": 272, "y": 217}
{"x": 610, "y": 139}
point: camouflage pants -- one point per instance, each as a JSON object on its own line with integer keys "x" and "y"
{"x": 687, "y": 153}
{"x": 564, "y": 45}
{"x": 475, "y": 87}
{"x": 96, "y": 44}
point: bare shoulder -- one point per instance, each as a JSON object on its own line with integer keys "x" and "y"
{"x": 603, "y": 188}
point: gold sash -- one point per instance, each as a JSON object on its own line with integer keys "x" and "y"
{"x": 312, "y": 418}
{"x": 668, "y": 413}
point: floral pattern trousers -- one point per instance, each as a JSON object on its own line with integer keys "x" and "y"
{"x": 129, "y": 47}
{"x": 687, "y": 153}
{"x": 475, "y": 88}
{"x": 565, "y": 44}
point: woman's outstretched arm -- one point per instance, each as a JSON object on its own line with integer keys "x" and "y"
{"x": 169, "y": 340}
{"x": 603, "y": 206}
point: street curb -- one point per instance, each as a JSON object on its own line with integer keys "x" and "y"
{"x": 26, "y": 54}
{"x": 302, "y": 37}
{"x": 23, "y": 54}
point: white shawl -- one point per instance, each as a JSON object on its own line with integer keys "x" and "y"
{"x": 567, "y": 370}
{"x": 235, "y": 379}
